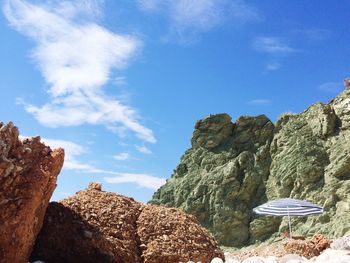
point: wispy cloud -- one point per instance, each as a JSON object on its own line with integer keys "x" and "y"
{"x": 150, "y": 5}
{"x": 142, "y": 180}
{"x": 273, "y": 66}
{"x": 333, "y": 87}
{"x": 273, "y": 45}
{"x": 260, "y": 102}
{"x": 75, "y": 56}
{"x": 71, "y": 162}
{"x": 143, "y": 149}
{"x": 122, "y": 156}
{"x": 312, "y": 34}
{"x": 72, "y": 152}
{"x": 189, "y": 18}
{"x": 120, "y": 81}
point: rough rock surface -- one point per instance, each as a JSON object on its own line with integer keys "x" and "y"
{"x": 333, "y": 256}
{"x": 233, "y": 167}
{"x": 91, "y": 226}
{"x": 98, "y": 226}
{"x": 308, "y": 248}
{"x": 169, "y": 235}
{"x": 341, "y": 243}
{"x": 28, "y": 172}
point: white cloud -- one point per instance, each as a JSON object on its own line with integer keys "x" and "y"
{"x": 143, "y": 149}
{"x": 76, "y": 59}
{"x": 142, "y": 180}
{"x": 333, "y": 87}
{"x": 273, "y": 45}
{"x": 71, "y": 162}
{"x": 150, "y": 5}
{"x": 189, "y": 18}
{"x": 260, "y": 102}
{"x": 120, "y": 81}
{"x": 273, "y": 66}
{"x": 72, "y": 151}
{"x": 122, "y": 156}
{"x": 91, "y": 9}
{"x": 312, "y": 34}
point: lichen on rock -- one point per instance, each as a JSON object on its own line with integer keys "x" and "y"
{"x": 232, "y": 167}
{"x": 218, "y": 183}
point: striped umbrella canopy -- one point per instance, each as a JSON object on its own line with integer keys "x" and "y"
{"x": 288, "y": 207}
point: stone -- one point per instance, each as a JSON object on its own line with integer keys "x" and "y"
{"x": 98, "y": 226}
{"x": 271, "y": 259}
{"x": 217, "y": 260}
{"x": 341, "y": 243}
{"x": 234, "y": 166}
{"x": 77, "y": 230}
{"x": 308, "y": 248}
{"x": 254, "y": 260}
{"x": 231, "y": 259}
{"x": 95, "y": 186}
{"x": 212, "y": 131}
{"x": 292, "y": 258}
{"x": 28, "y": 174}
{"x": 186, "y": 239}
{"x": 334, "y": 256}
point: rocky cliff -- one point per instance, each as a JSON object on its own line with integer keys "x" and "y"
{"x": 233, "y": 167}
{"x": 28, "y": 173}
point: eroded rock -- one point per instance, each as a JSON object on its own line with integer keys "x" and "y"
{"x": 28, "y": 173}
{"x": 232, "y": 167}
{"x": 221, "y": 185}
{"x": 91, "y": 226}
{"x": 170, "y": 235}
{"x": 308, "y": 248}
{"x": 98, "y": 226}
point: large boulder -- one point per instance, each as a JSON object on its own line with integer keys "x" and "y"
{"x": 232, "y": 167}
{"x": 91, "y": 226}
{"x": 170, "y": 235}
{"x": 98, "y": 226}
{"x": 28, "y": 173}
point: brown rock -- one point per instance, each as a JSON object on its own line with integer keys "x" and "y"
{"x": 97, "y": 226}
{"x": 91, "y": 226}
{"x": 169, "y": 235}
{"x": 308, "y": 248}
{"x": 28, "y": 172}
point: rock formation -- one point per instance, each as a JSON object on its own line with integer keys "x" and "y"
{"x": 98, "y": 226}
{"x": 28, "y": 172}
{"x": 233, "y": 167}
{"x": 170, "y": 235}
{"x": 309, "y": 248}
{"x": 91, "y": 226}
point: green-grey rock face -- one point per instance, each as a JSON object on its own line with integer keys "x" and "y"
{"x": 233, "y": 167}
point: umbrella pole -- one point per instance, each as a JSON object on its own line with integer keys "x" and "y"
{"x": 290, "y": 227}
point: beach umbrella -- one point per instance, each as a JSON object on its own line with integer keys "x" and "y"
{"x": 288, "y": 207}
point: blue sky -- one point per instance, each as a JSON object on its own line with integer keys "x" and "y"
{"x": 120, "y": 84}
